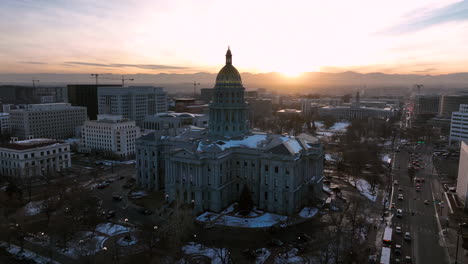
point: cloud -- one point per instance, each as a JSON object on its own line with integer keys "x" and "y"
{"x": 426, "y": 70}
{"x": 428, "y": 18}
{"x": 123, "y": 65}
{"x": 31, "y": 62}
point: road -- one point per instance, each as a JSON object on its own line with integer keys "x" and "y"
{"x": 427, "y": 244}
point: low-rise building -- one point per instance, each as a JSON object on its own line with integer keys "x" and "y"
{"x": 168, "y": 123}
{"x": 110, "y": 135}
{"x": 56, "y": 121}
{"x": 34, "y": 157}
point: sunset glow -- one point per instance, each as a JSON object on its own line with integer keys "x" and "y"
{"x": 265, "y": 36}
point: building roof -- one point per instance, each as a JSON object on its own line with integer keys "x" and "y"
{"x": 31, "y": 143}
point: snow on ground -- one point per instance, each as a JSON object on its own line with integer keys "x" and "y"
{"x": 386, "y": 158}
{"x": 127, "y": 242}
{"x": 26, "y": 254}
{"x": 308, "y": 212}
{"x": 340, "y": 126}
{"x": 253, "y": 221}
{"x": 111, "y": 229}
{"x": 264, "y": 220}
{"x": 290, "y": 257}
{"x": 230, "y": 209}
{"x": 138, "y": 194}
{"x": 262, "y": 255}
{"x": 365, "y": 189}
{"x": 325, "y": 188}
{"x": 249, "y": 142}
{"x": 207, "y": 217}
{"x": 33, "y": 208}
{"x": 216, "y": 255}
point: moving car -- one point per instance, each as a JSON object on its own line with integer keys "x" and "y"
{"x": 407, "y": 236}
{"x": 398, "y": 230}
{"x": 426, "y": 201}
{"x": 400, "y": 196}
{"x": 399, "y": 213}
{"x": 397, "y": 249}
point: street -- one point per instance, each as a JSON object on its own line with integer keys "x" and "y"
{"x": 427, "y": 244}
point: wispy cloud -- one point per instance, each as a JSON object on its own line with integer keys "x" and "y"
{"x": 123, "y": 65}
{"x": 428, "y": 18}
{"x": 426, "y": 70}
{"x": 32, "y": 62}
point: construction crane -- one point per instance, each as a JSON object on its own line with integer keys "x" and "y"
{"x": 195, "y": 88}
{"x": 34, "y": 82}
{"x": 96, "y": 75}
{"x": 122, "y": 78}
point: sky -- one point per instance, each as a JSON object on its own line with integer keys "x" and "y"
{"x": 290, "y": 37}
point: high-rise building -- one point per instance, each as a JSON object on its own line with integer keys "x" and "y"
{"x": 462, "y": 178}
{"x": 34, "y": 157}
{"x": 55, "y": 121}
{"x": 133, "y": 102}
{"x": 86, "y": 95}
{"x": 459, "y": 125}
{"x": 5, "y": 123}
{"x": 208, "y": 168}
{"x": 14, "y": 94}
{"x": 110, "y": 135}
{"x": 451, "y": 103}
{"x": 428, "y": 104}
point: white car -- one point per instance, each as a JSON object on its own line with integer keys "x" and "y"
{"x": 400, "y": 196}
{"x": 398, "y": 230}
{"x": 407, "y": 236}
{"x": 399, "y": 213}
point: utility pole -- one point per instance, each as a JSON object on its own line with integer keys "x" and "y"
{"x": 195, "y": 88}
{"x": 96, "y": 75}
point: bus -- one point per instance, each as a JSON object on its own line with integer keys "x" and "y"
{"x": 387, "y": 237}
{"x": 385, "y": 256}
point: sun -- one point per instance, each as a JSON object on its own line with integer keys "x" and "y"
{"x": 294, "y": 72}
{"x": 291, "y": 73}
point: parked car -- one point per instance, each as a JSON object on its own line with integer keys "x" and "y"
{"x": 117, "y": 198}
{"x": 408, "y": 260}
{"x": 426, "y": 201}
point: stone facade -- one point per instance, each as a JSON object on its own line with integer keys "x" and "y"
{"x": 210, "y": 167}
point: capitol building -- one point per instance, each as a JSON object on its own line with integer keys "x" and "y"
{"x": 209, "y": 167}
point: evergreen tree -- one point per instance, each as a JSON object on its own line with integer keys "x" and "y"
{"x": 245, "y": 201}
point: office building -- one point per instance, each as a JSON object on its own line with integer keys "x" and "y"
{"x": 34, "y": 157}
{"x": 462, "y": 178}
{"x": 86, "y": 95}
{"x": 133, "y": 102}
{"x": 55, "y": 121}
{"x": 5, "y": 123}
{"x": 459, "y": 125}
{"x": 110, "y": 135}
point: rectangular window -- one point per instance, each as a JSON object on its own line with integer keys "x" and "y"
{"x": 276, "y": 169}
{"x": 266, "y": 167}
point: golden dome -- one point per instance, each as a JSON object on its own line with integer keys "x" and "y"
{"x": 228, "y": 75}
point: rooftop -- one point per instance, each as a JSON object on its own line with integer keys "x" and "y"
{"x": 31, "y": 143}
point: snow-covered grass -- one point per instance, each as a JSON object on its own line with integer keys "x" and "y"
{"x": 262, "y": 255}
{"x": 308, "y": 212}
{"x": 138, "y": 194}
{"x": 230, "y": 209}
{"x": 127, "y": 242}
{"x": 252, "y": 221}
{"x": 290, "y": 257}
{"x": 33, "y": 208}
{"x": 26, "y": 254}
{"x": 111, "y": 229}
{"x": 217, "y": 255}
{"x": 265, "y": 220}
{"x": 365, "y": 189}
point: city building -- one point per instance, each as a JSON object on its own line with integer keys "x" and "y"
{"x": 206, "y": 94}
{"x": 86, "y": 95}
{"x": 133, "y": 102}
{"x": 259, "y": 108}
{"x": 462, "y": 179}
{"x": 34, "y": 157}
{"x": 208, "y": 168}
{"x": 168, "y": 124}
{"x": 109, "y": 135}
{"x": 14, "y": 94}
{"x": 428, "y": 104}
{"x": 356, "y": 111}
{"x": 55, "y": 121}
{"x": 5, "y": 123}
{"x": 451, "y": 103}
{"x": 459, "y": 125}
